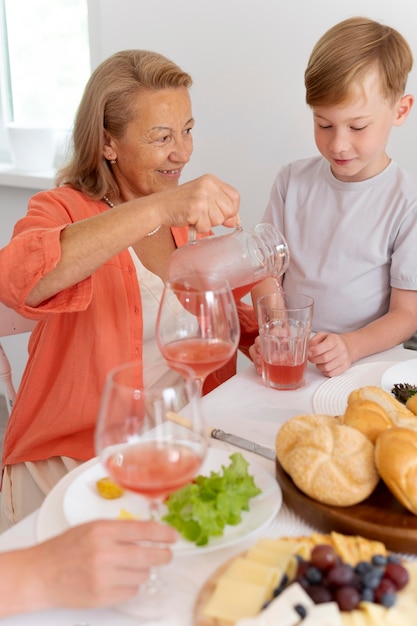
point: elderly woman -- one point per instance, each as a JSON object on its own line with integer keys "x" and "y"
{"x": 89, "y": 259}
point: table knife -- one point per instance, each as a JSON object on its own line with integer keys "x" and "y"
{"x": 240, "y": 442}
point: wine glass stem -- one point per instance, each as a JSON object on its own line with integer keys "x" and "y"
{"x": 155, "y": 510}
{"x": 200, "y": 383}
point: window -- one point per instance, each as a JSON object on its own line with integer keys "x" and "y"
{"x": 45, "y": 62}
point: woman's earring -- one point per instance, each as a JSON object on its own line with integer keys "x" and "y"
{"x": 112, "y": 161}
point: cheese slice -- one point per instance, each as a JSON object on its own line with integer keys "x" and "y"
{"x": 235, "y": 599}
{"x": 253, "y": 572}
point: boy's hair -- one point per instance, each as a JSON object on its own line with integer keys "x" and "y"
{"x": 345, "y": 54}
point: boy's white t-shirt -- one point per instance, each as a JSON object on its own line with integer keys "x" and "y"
{"x": 349, "y": 243}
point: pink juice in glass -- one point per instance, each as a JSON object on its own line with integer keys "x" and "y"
{"x": 201, "y": 355}
{"x": 153, "y": 469}
{"x": 285, "y": 374}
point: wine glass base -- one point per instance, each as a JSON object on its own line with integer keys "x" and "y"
{"x": 171, "y": 603}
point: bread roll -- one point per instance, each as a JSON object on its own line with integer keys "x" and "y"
{"x": 367, "y": 416}
{"x": 396, "y": 461}
{"x": 396, "y": 411}
{"x": 328, "y": 461}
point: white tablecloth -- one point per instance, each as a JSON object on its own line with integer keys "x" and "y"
{"x": 244, "y": 406}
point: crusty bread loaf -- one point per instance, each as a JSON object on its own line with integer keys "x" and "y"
{"x": 396, "y": 461}
{"x": 367, "y": 416}
{"x": 396, "y": 411}
{"x": 328, "y": 461}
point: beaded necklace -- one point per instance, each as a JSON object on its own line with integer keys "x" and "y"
{"x": 111, "y": 205}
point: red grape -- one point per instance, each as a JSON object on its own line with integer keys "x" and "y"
{"x": 324, "y": 557}
{"x": 347, "y": 598}
{"x": 386, "y": 586}
{"x": 340, "y": 575}
{"x": 319, "y": 594}
{"x": 397, "y": 574}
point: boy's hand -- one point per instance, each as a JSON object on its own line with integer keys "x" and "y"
{"x": 329, "y": 353}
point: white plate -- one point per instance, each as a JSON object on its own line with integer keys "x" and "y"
{"x": 331, "y": 397}
{"x": 74, "y": 500}
{"x": 404, "y": 372}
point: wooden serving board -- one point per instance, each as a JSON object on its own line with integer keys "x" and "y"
{"x": 380, "y": 517}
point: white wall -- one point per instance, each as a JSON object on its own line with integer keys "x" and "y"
{"x": 247, "y": 58}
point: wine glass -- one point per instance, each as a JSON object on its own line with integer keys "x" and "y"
{"x": 150, "y": 437}
{"x": 197, "y": 324}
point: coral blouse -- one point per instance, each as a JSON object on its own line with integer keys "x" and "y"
{"x": 82, "y": 332}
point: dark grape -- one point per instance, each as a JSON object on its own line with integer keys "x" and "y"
{"x": 302, "y": 580}
{"x": 347, "y": 598}
{"x": 341, "y": 574}
{"x": 314, "y": 575}
{"x": 397, "y": 574}
{"x": 372, "y": 578}
{"x": 379, "y": 559}
{"x": 362, "y": 567}
{"x": 367, "y": 594}
{"x": 388, "y": 599}
{"x": 324, "y": 557}
{"x": 394, "y": 558}
{"x": 302, "y": 568}
{"x": 385, "y": 587}
{"x": 319, "y": 594}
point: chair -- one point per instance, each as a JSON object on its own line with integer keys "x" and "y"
{"x": 11, "y": 323}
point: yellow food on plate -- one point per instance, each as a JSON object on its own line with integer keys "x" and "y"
{"x": 124, "y": 514}
{"x": 108, "y": 489}
{"x": 328, "y": 461}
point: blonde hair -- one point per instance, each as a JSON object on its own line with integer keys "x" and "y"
{"x": 108, "y": 104}
{"x": 347, "y": 52}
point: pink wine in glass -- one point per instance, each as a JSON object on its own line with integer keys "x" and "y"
{"x": 153, "y": 469}
{"x": 201, "y": 355}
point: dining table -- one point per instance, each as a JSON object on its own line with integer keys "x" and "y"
{"x": 242, "y": 405}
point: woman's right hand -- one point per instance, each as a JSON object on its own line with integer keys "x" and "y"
{"x": 203, "y": 203}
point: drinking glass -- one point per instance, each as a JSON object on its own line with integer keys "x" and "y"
{"x": 150, "y": 437}
{"x": 197, "y": 324}
{"x": 285, "y": 321}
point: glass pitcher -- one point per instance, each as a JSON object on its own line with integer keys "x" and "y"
{"x": 244, "y": 258}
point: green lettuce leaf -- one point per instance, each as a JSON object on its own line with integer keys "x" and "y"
{"x": 202, "y": 509}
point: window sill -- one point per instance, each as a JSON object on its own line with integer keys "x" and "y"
{"x": 9, "y": 177}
